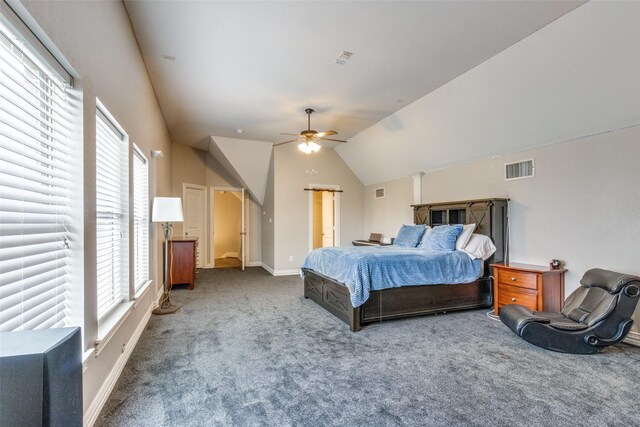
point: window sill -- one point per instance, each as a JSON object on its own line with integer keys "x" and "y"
{"x": 142, "y": 291}
{"x": 109, "y": 326}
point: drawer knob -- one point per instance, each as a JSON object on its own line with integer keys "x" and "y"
{"x": 513, "y": 299}
{"x": 513, "y": 279}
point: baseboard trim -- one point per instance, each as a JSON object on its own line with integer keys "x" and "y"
{"x": 293, "y": 272}
{"x": 266, "y": 267}
{"x": 633, "y": 338}
{"x": 109, "y": 383}
{"x": 254, "y": 264}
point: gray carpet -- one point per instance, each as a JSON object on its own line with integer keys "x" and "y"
{"x": 246, "y": 349}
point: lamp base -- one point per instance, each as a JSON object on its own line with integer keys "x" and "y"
{"x": 165, "y": 306}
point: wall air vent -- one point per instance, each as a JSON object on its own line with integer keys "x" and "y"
{"x": 519, "y": 170}
{"x": 379, "y": 193}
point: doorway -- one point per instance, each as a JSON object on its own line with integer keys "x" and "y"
{"x": 324, "y": 218}
{"x": 228, "y": 227}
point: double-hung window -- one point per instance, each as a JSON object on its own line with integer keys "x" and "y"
{"x": 112, "y": 218}
{"x": 38, "y": 178}
{"x": 140, "y": 219}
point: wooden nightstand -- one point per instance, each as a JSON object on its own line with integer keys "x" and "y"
{"x": 184, "y": 261}
{"x": 535, "y": 287}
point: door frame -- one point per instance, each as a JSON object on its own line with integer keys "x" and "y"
{"x": 336, "y": 212}
{"x": 205, "y": 232}
{"x": 245, "y": 223}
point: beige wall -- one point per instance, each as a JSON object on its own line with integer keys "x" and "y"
{"x": 387, "y": 214}
{"x": 581, "y": 207}
{"x": 189, "y": 167}
{"x": 293, "y": 172}
{"x": 267, "y": 227}
{"x": 194, "y": 166}
{"x": 227, "y": 208}
{"x": 111, "y": 69}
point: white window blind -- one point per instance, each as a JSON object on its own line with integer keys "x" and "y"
{"x": 111, "y": 215}
{"x": 35, "y": 189}
{"x": 140, "y": 218}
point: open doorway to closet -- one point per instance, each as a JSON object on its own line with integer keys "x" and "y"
{"x": 228, "y": 225}
{"x": 324, "y": 216}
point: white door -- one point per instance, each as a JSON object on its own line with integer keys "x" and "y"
{"x": 195, "y": 211}
{"x": 328, "y": 219}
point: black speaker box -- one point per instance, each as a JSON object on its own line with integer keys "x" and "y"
{"x": 41, "y": 378}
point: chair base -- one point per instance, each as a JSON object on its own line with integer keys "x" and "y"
{"x": 538, "y": 330}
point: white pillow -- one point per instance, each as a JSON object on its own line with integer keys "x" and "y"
{"x": 464, "y": 237}
{"x": 480, "y": 246}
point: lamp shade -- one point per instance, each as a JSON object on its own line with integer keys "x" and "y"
{"x": 167, "y": 209}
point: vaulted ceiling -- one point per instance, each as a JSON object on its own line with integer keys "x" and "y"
{"x": 224, "y": 65}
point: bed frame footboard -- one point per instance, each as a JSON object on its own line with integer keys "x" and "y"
{"x": 395, "y": 303}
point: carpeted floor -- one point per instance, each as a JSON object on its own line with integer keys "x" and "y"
{"x": 246, "y": 349}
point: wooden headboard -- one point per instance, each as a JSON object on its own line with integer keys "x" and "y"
{"x": 489, "y": 215}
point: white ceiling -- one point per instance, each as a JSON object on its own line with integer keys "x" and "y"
{"x": 257, "y": 65}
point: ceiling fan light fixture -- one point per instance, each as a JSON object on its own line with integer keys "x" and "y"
{"x": 309, "y": 147}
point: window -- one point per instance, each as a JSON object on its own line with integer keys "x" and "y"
{"x": 140, "y": 218}
{"x": 37, "y": 179}
{"x": 111, "y": 214}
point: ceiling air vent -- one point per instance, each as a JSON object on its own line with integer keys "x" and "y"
{"x": 523, "y": 169}
{"x": 379, "y": 193}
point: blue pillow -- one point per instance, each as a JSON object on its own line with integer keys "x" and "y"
{"x": 409, "y": 235}
{"x": 441, "y": 238}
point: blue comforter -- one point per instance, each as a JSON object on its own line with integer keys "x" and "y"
{"x": 365, "y": 268}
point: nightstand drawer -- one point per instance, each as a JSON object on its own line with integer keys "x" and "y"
{"x": 508, "y": 294}
{"x": 521, "y": 279}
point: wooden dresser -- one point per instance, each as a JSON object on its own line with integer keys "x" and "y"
{"x": 535, "y": 287}
{"x": 183, "y": 260}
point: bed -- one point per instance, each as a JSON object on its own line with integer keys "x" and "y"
{"x": 490, "y": 217}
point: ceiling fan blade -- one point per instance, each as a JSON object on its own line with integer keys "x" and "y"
{"x": 285, "y": 142}
{"x": 292, "y": 134}
{"x": 326, "y": 133}
{"x": 329, "y": 139}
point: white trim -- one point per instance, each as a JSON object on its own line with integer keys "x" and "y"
{"x": 293, "y": 272}
{"x": 24, "y": 24}
{"x": 203, "y": 240}
{"x": 254, "y": 264}
{"x": 266, "y": 267}
{"x": 633, "y": 338}
{"x": 142, "y": 292}
{"x": 85, "y": 358}
{"x": 109, "y": 383}
{"x": 155, "y": 304}
{"x": 110, "y": 325}
{"x": 336, "y": 213}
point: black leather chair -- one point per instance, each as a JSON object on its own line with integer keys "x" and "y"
{"x": 595, "y": 315}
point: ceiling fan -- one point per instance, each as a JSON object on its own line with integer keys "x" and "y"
{"x": 308, "y": 145}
